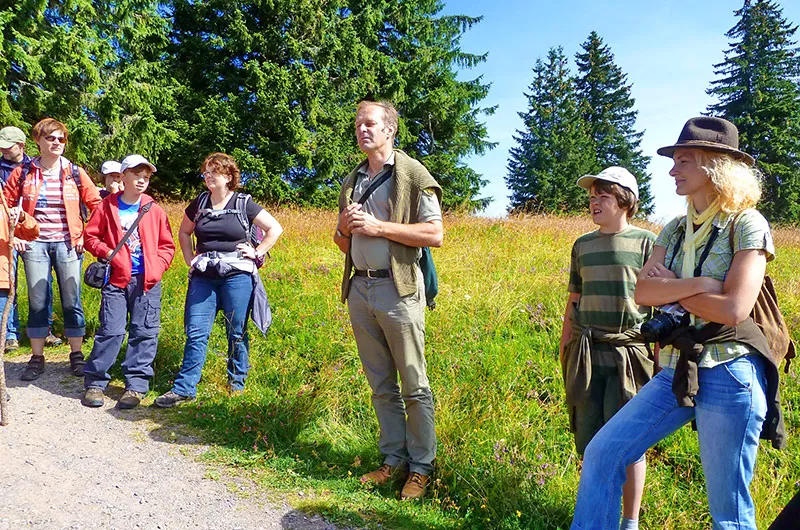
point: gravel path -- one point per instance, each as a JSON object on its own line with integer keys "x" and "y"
{"x": 65, "y": 466}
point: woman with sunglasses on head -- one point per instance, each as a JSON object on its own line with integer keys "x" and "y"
{"x": 52, "y": 189}
{"x": 222, "y": 273}
{"x": 716, "y": 365}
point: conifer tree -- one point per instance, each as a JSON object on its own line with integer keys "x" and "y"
{"x": 607, "y": 108}
{"x": 553, "y": 148}
{"x": 757, "y": 90}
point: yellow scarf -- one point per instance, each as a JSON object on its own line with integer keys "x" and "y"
{"x": 693, "y": 239}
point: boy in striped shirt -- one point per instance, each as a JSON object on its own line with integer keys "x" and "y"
{"x": 603, "y": 355}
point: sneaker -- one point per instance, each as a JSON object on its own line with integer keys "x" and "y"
{"x": 12, "y": 345}
{"x": 170, "y": 399}
{"x": 414, "y": 487}
{"x": 382, "y": 475}
{"x": 51, "y": 341}
{"x": 76, "y": 363}
{"x": 93, "y": 397}
{"x": 34, "y": 369}
{"x": 130, "y": 399}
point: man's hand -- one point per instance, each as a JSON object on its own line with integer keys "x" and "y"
{"x": 344, "y": 218}
{"x": 361, "y": 222}
{"x": 20, "y": 245}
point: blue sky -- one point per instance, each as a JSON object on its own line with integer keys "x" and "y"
{"x": 667, "y": 48}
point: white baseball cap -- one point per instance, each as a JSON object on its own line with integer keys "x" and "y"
{"x": 615, "y": 174}
{"x": 136, "y": 160}
{"x": 110, "y": 166}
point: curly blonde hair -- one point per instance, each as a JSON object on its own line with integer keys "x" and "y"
{"x": 737, "y": 184}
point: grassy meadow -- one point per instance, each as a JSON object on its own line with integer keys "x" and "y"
{"x": 305, "y": 427}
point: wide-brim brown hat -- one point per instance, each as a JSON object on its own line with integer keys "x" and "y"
{"x": 712, "y": 134}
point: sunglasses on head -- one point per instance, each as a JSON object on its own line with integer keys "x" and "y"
{"x": 59, "y": 139}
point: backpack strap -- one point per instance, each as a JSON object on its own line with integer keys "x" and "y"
{"x": 202, "y": 204}
{"x": 76, "y": 176}
{"x": 241, "y": 210}
{"x": 706, "y": 250}
{"x": 26, "y": 168}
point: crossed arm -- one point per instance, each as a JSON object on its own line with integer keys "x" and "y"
{"x": 728, "y": 302}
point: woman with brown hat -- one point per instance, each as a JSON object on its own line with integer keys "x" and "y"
{"x": 708, "y": 266}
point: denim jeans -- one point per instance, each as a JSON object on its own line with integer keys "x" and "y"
{"x": 144, "y": 309}
{"x": 13, "y": 317}
{"x": 730, "y": 408}
{"x": 60, "y": 256}
{"x": 204, "y": 297}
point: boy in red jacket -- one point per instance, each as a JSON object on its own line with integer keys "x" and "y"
{"x": 133, "y": 288}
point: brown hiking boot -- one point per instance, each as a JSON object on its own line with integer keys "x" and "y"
{"x": 93, "y": 397}
{"x": 34, "y": 369}
{"x": 415, "y": 487}
{"x": 382, "y": 475}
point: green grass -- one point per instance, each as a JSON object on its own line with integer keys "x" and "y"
{"x": 305, "y": 426}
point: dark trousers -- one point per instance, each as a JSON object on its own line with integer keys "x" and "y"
{"x": 116, "y": 305}
{"x": 789, "y": 518}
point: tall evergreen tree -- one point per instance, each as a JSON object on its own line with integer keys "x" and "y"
{"x": 553, "y": 148}
{"x": 277, "y": 83}
{"x": 607, "y": 108}
{"x": 758, "y": 91}
{"x": 96, "y": 65}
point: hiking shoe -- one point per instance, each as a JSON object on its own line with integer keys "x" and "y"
{"x": 76, "y": 363}
{"x": 12, "y": 345}
{"x": 170, "y": 399}
{"x": 34, "y": 369}
{"x": 51, "y": 341}
{"x": 414, "y": 487}
{"x": 130, "y": 399}
{"x": 93, "y": 397}
{"x": 382, "y": 475}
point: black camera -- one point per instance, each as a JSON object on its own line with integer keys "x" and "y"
{"x": 669, "y": 317}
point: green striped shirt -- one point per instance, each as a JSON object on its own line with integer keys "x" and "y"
{"x": 603, "y": 271}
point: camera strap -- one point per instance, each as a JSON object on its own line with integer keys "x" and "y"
{"x": 706, "y": 250}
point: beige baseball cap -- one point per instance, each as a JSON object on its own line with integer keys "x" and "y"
{"x": 11, "y": 135}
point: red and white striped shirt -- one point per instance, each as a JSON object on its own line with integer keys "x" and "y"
{"x": 50, "y": 211}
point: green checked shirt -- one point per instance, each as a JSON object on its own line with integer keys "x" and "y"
{"x": 603, "y": 270}
{"x": 751, "y": 232}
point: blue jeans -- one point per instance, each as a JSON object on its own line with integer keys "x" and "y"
{"x": 13, "y": 316}
{"x": 204, "y": 297}
{"x": 730, "y": 408}
{"x": 40, "y": 259}
{"x": 144, "y": 309}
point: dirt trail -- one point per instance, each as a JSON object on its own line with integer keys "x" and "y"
{"x": 65, "y": 466}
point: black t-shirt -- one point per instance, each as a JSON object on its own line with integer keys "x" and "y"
{"x": 221, "y": 232}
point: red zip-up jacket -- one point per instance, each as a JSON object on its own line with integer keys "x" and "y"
{"x": 104, "y": 231}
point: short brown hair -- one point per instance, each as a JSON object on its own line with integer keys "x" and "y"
{"x": 224, "y": 164}
{"x": 626, "y": 200}
{"x": 390, "y": 115}
{"x": 48, "y": 126}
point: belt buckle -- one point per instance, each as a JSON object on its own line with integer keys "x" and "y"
{"x": 369, "y": 274}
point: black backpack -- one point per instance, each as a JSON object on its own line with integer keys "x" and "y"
{"x": 254, "y": 233}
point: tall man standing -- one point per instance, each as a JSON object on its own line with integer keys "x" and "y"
{"x": 382, "y": 240}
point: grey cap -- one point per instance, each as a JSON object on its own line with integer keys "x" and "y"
{"x": 615, "y": 174}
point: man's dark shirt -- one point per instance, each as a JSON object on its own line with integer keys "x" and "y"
{"x": 6, "y": 167}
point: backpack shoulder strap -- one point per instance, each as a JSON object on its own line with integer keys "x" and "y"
{"x": 202, "y": 204}
{"x": 26, "y": 168}
{"x": 241, "y": 209}
{"x": 76, "y": 176}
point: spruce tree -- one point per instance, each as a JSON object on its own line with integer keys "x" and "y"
{"x": 553, "y": 148}
{"x": 607, "y": 108}
{"x": 757, "y": 90}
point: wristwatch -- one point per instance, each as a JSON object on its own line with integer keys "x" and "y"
{"x": 340, "y": 234}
